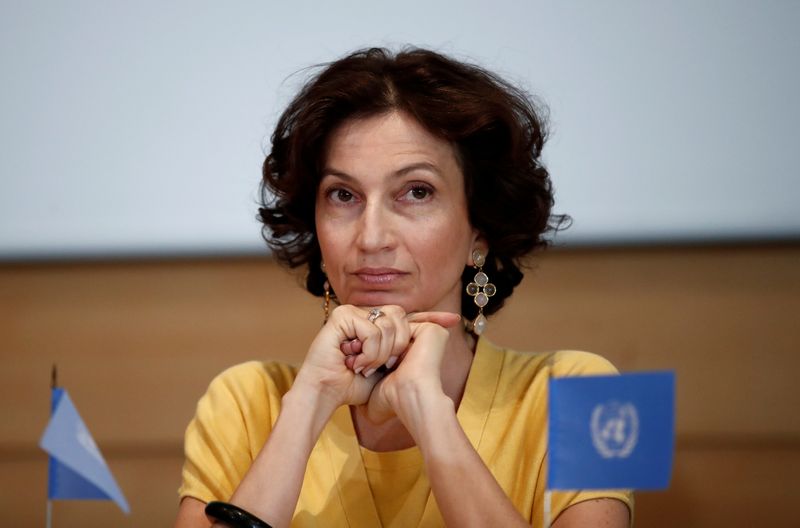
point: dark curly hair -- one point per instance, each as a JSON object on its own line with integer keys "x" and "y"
{"x": 496, "y": 129}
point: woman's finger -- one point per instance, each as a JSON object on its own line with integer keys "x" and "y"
{"x": 349, "y": 362}
{"x": 359, "y": 338}
{"x": 395, "y": 336}
{"x": 382, "y": 341}
{"x": 351, "y": 347}
{"x": 401, "y": 340}
{"x": 370, "y": 338}
{"x": 386, "y": 321}
{"x": 445, "y": 319}
{"x": 387, "y": 326}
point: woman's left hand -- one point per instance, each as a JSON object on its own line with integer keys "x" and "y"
{"x": 418, "y": 373}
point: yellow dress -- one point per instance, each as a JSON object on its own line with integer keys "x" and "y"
{"x": 503, "y": 413}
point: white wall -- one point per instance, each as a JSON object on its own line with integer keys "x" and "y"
{"x": 138, "y": 127}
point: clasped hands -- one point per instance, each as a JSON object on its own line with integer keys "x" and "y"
{"x": 343, "y": 360}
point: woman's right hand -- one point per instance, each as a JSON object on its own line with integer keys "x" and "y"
{"x": 341, "y": 363}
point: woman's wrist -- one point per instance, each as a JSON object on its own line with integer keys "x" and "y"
{"x": 304, "y": 401}
{"x": 422, "y": 410}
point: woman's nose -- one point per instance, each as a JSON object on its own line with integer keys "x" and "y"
{"x": 376, "y": 230}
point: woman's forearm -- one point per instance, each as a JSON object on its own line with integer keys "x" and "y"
{"x": 272, "y": 485}
{"x": 466, "y": 491}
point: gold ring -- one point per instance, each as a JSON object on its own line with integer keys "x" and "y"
{"x": 374, "y": 314}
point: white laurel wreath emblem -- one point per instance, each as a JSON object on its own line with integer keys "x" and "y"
{"x": 615, "y": 429}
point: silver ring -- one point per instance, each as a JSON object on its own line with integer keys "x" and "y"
{"x": 374, "y": 314}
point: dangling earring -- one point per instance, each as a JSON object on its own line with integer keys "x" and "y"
{"x": 480, "y": 289}
{"x": 329, "y": 296}
{"x": 326, "y": 305}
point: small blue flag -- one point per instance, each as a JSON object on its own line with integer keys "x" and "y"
{"x": 77, "y": 469}
{"x": 611, "y": 432}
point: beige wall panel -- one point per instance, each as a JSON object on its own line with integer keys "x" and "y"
{"x": 718, "y": 487}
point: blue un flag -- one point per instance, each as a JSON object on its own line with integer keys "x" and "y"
{"x": 611, "y": 431}
{"x": 77, "y": 470}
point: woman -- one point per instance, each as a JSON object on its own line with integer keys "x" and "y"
{"x": 409, "y": 187}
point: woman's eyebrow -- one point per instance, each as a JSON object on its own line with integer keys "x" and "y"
{"x": 328, "y": 171}
{"x": 402, "y": 171}
{"x": 422, "y": 165}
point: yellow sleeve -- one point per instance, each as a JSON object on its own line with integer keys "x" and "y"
{"x": 231, "y": 424}
{"x": 574, "y": 363}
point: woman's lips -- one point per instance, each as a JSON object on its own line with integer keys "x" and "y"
{"x": 379, "y": 276}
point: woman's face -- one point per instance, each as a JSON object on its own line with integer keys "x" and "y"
{"x": 391, "y": 216}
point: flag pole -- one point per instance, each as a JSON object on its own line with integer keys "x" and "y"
{"x": 547, "y": 493}
{"x": 547, "y": 499}
{"x": 48, "y": 518}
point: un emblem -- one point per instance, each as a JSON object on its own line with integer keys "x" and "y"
{"x": 615, "y": 429}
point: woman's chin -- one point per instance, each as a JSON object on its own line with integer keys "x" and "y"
{"x": 370, "y": 300}
{"x": 380, "y": 298}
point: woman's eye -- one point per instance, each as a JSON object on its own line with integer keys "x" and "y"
{"x": 341, "y": 195}
{"x": 419, "y": 192}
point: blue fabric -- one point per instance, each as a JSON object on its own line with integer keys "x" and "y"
{"x": 609, "y": 432}
{"x": 76, "y": 469}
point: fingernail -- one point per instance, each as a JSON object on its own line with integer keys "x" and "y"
{"x": 391, "y": 362}
{"x": 369, "y": 373}
{"x": 358, "y": 370}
